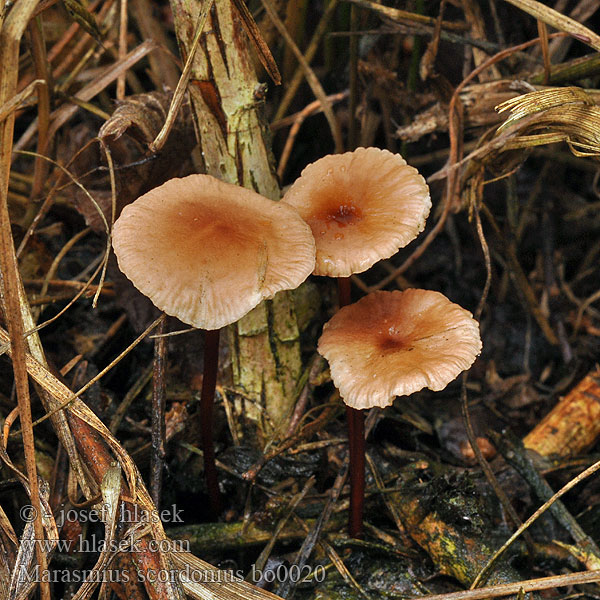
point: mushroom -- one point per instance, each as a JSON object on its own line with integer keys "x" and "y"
{"x": 208, "y": 252}
{"x": 396, "y": 343}
{"x": 362, "y": 206}
{"x": 392, "y": 344}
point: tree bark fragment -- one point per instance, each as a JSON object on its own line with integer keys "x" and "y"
{"x": 264, "y": 345}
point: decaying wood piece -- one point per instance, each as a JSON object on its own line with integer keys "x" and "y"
{"x": 264, "y": 344}
{"x": 458, "y": 541}
{"x": 209, "y": 538}
{"x": 573, "y": 426}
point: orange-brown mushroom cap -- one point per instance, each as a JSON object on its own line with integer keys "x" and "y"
{"x": 362, "y": 206}
{"x": 207, "y": 252}
{"x": 395, "y": 343}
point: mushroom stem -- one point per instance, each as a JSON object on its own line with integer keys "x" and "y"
{"x": 356, "y": 440}
{"x": 207, "y": 395}
{"x": 344, "y": 291}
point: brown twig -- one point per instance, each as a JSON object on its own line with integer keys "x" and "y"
{"x": 159, "y": 386}
{"x": 296, "y": 80}
{"x": 520, "y": 587}
{"x": 298, "y": 119}
{"x": 311, "y": 78}
{"x": 122, "y": 47}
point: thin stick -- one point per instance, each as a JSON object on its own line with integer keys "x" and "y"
{"x": 298, "y": 119}
{"x": 313, "y": 46}
{"x": 484, "y": 573}
{"x": 485, "y": 467}
{"x": 157, "y": 459}
{"x": 179, "y": 94}
{"x": 311, "y": 78}
{"x": 527, "y": 586}
{"x": 122, "y": 48}
{"x": 207, "y": 396}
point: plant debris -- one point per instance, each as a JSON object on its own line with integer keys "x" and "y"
{"x": 485, "y": 489}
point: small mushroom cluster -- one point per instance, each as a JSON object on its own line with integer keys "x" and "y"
{"x": 364, "y": 206}
{"x": 208, "y": 252}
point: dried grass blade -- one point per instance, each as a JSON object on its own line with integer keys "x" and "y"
{"x": 558, "y": 21}
{"x": 528, "y": 104}
{"x": 64, "y": 397}
{"x": 24, "y": 579}
{"x": 181, "y": 88}
{"x": 206, "y": 582}
{"x": 42, "y": 71}
{"x": 8, "y": 532}
{"x": 543, "y": 33}
{"x": 567, "y": 114}
{"x": 397, "y": 15}
{"x": 63, "y": 114}
{"x": 138, "y": 492}
{"x": 12, "y": 31}
{"x": 261, "y": 47}
{"x": 110, "y": 489}
{"x": 296, "y": 80}
{"x": 15, "y": 101}
{"x": 20, "y": 587}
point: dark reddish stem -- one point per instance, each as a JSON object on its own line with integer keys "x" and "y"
{"x": 356, "y": 441}
{"x": 207, "y": 396}
{"x": 344, "y": 291}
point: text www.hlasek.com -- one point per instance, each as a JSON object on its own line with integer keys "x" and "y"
{"x": 95, "y": 545}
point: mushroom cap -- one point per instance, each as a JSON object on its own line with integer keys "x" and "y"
{"x": 207, "y": 252}
{"x": 395, "y": 343}
{"x": 362, "y": 206}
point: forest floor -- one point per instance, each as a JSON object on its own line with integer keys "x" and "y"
{"x": 513, "y": 236}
